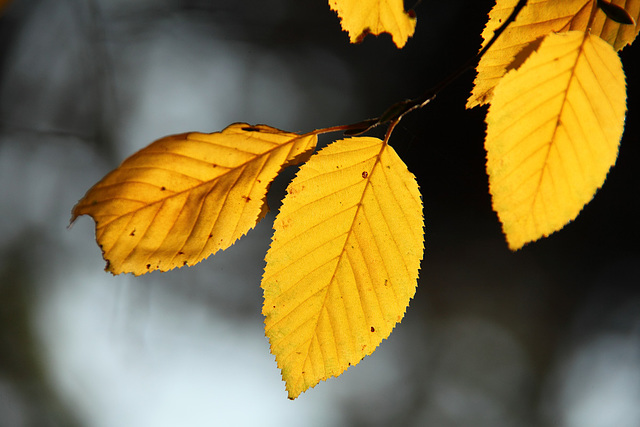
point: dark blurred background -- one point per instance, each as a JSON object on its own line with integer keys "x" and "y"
{"x": 546, "y": 336}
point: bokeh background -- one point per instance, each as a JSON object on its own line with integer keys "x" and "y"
{"x": 546, "y": 336}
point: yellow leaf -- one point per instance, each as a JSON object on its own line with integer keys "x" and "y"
{"x": 344, "y": 260}
{"x": 362, "y": 17}
{"x": 184, "y": 197}
{"x": 553, "y": 130}
{"x": 536, "y": 20}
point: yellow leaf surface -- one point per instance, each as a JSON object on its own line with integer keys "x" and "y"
{"x": 362, "y": 17}
{"x": 184, "y": 197}
{"x": 344, "y": 260}
{"x": 536, "y": 20}
{"x": 553, "y": 131}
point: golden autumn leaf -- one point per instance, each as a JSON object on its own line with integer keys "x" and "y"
{"x": 344, "y": 260}
{"x": 553, "y": 131}
{"x": 536, "y": 20}
{"x": 362, "y": 17}
{"x": 184, "y": 197}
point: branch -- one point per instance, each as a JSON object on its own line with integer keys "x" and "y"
{"x": 398, "y": 110}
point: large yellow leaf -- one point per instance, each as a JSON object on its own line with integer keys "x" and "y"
{"x": 362, "y": 17}
{"x": 344, "y": 260}
{"x": 536, "y": 20}
{"x": 184, "y": 197}
{"x": 553, "y": 130}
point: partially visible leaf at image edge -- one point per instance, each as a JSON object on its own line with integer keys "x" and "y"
{"x": 185, "y": 197}
{"x": 362, "y": 17}
{"x": 553, "y": 131}
{"x": 536, "y": 20}
{"x": 344, "y": 260}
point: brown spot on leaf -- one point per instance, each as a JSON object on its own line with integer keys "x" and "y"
{"x": 373, "y": 329}
{"x": 246, "y": 198}
{"x": 210, "y": 236}
{"x": 411, "y": 13}
{"x": 148, "y": 266}
{"x": 184, "y": 263}
{"x": 133, "y": 232}
{"x": 180, "y": 253}
{"x": 365, "y": 174}
{"x": 163, "y": 188}
{"x": 363, "y": 34}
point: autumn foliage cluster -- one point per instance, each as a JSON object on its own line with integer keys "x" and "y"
{"x": 349, "y": 238}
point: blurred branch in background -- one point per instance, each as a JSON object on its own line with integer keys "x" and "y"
{"x": 545, "y": 336}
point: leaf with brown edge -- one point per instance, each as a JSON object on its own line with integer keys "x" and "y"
{"x": 553, "y": 131}
{"x": 362, "y": 17}
{"x": 537, "y": 19}
{"x": 185, "y": 197}
{"x": 344, "y": 260}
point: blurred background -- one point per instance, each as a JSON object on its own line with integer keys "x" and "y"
{"x": 546, "y": 336}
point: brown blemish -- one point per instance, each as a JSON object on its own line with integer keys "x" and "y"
{"x": 163, "y": 188}
{"x": 362, "y": 35}
{"x": 180, "y": 253}
{"x": 148, "y": 266}
{"x": 365, "y": 174}
{"x": 184, "y": 263}
{"x": 133, "y": 232}
{"x": 373, "y": 329}
{"x": 210, "y": 236}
